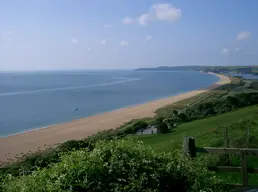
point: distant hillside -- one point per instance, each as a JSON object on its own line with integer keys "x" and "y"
{"x": 174, "y": 68}
{"x": 215, "y": 69}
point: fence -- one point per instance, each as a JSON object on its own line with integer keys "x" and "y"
{"x": 190, "y": 150}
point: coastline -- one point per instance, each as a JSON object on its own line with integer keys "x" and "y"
{"x": 51, "y": 125}
{"x": 32, "y": 140}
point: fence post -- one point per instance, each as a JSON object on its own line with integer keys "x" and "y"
{"x": 189, "y": 147}
{"x": 244, "y": 173}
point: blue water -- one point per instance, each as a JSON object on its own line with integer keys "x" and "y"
{"x": 33, "y": 100}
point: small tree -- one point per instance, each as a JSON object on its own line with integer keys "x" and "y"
{"x": 175, "y": 112}
{"x": 162, "y": 127}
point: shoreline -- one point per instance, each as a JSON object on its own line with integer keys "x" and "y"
{"x": 212, "y": 86}
{"x": 43, "y": 137}
{"x": 113, "y": 110}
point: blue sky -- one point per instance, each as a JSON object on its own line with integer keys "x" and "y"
{"x": 109, "y": 34}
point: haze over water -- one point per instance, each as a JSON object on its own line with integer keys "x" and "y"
{"x": 34, "y": 100}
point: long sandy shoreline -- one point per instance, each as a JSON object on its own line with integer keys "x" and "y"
{"x": 81, "y": 128}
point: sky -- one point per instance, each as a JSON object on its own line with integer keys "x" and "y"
{"x": 126, "y": 34}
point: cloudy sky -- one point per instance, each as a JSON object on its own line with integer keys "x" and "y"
{"x": 109, "y": 34}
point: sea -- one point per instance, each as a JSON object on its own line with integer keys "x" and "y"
{"x": 31, "y": 100}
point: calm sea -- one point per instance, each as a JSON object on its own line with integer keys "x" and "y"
{"x": 38, "y": 99}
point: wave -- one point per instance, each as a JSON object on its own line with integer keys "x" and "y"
{"x": 124, "y": 78}
{"x": 69, "y": 88}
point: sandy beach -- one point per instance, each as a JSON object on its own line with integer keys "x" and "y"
{"x": 81, "y": 128}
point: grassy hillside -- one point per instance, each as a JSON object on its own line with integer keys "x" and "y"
{"x": 202, "y": 130}
{"x": 208, "y": 132}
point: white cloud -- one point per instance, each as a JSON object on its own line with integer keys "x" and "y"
{"x": 160, "y": 12}
{"x": 143, "y": 19}
{"x": 107, "y": 25}
{"x": 225, "y": 51}
{"x": 123, "y": 43}
{"x": 243, "y": 35}
{"x": 75, "y": 41}
{"x": 128, "y": 20}
{"x": 103, "y": 42}
{"x": 166, "y": 12}
{"x": 157, "y": 12}
{"x": 149, "y": 37}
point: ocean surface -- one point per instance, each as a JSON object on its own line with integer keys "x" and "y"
{"x": 38, "y": 99}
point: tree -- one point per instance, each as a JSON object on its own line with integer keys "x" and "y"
{"x": 182, "y": 117}
{"x": 175, "y": 112}
{"x": 162, "y": 127}
{"x": 233, "y": 101}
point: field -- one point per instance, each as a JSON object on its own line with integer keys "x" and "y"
{"x": 205, "y": 134}
{"x": 202, "y": 130}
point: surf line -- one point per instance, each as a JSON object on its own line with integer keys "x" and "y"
{"x": 68, "y": 88}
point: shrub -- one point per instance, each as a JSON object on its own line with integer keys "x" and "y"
{"x": 118, "y": 165}
{"x": 161, "y": 125}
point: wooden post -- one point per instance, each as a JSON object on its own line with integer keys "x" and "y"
{"x": 226, "y": 144}
{"x": 189, "y": 147}
{"x": 244, "y": 173}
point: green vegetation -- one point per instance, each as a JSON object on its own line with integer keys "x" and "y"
{"x": 161, "y": 125}
{"x": 118, "y": 165}
{"x": 208, "y": 132}
{"x": 228, "y": 89}
{"x": 222, "y": 100}
{"x": 203, "y": 130}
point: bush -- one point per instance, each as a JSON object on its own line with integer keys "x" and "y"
{"x": 162, "y": 127}
{"x": 217, "y": 106}
{"x": 118, "y": 165}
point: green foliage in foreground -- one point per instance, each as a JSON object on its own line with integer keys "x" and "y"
{"x": 118, "y": 165}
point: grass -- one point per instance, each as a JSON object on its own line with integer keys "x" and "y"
{"x": 214, "y": 94}
{"x": 204, "y": 132}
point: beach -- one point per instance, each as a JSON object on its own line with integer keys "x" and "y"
{"x": 78, "y": 129}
